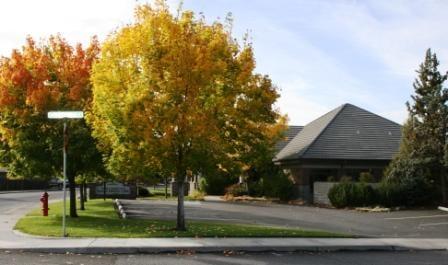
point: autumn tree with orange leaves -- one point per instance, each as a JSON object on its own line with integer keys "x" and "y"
{"x": 178, "y": 95}
{"x": 51, "y": 75}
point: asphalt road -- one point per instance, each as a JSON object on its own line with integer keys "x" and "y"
{"x": 15, "y": 204}
{"x": 340, "y": 258}
{"x": 10, "y": 201}
{"x": 408, "y": 223}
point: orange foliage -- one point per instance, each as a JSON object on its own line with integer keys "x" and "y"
{"x": 40, "y": 77}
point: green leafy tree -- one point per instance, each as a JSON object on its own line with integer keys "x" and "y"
{"x": 175, "y": 95}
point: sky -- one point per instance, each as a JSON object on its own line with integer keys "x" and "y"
{"x": 320, "y": 54}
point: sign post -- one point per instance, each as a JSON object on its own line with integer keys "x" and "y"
{"x": 64, "y": 115}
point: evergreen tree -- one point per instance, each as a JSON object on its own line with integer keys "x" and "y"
{"x": 426, "y": 134}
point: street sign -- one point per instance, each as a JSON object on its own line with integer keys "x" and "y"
{"x": 65, "y": 114}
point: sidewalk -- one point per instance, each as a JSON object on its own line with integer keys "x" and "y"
{"x": 207, "y": 245}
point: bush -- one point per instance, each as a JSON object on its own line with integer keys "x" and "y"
{"x": 391, "y": 194}
{"x": 368, "y": 196}
{"x": 281, "y": 188}
{"x": 408, "y": 183}
{"x": 203, "y": 184}
{"x": 366, "y": 177}
{"x": 275, "y": 183}
{"x": 143, "y": 192}
{"x": 346, "y": 179}
{"x": 236, "y": 190}
{"x": 331, "y": 179}
{"x": 284, "y": 189}
{"x": 255, "y": 188}
{"x": 349, "y": 194}
{"x": 338, "y": 194}
{"x": 408, "y": 191}
{"x": 215, "y": 184}
{"x": 197, "y": 195}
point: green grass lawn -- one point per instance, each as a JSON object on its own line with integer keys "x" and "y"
{"x": 100, "y": 220}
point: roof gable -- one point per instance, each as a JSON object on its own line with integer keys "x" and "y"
{"x": 347, "y": 132}
{"x": 299, "y": 144}
{"x": 289, "y": 134}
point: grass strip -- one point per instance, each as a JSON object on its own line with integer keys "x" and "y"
{"x": 101, "y": 220}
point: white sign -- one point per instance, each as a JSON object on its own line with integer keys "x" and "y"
{"x": 113, "y": 189}
{"x": 65, "y": 115}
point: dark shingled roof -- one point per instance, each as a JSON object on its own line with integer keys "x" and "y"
{"x": 347, "y": 132}
{"x": 290, "y": 133}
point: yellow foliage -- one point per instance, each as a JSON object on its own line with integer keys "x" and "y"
{"x": 178, "y": 94}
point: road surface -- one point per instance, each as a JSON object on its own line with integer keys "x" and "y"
{"x": 408, "y": 224}
{"x": 340, "y": 258}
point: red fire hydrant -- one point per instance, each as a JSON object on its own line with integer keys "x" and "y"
{"x": 44, "y": 200}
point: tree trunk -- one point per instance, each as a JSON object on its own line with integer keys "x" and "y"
{"x": 71, "y": 181}
{"x": 81, "y": 196}
{"x": 166, "y": 187}
{"x": 104, "y": 190}
{"x": 85, "y": 191}
{"x": 443, "y": 186}
{"x": 180, "y": 206}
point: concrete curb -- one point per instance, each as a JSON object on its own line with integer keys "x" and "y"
{"x": 160, "y": 250}
{"x": 214, "y": 245}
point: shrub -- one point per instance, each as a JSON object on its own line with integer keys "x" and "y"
{"x": 143, "y": 192}
{"x": 197, "y": 195}
{"x": 236, "y": 190}
{"x": 203, "y": 184}
{"x": 284, "y": 189}
{"x": 275, "y": 183}
{"x": 349, "y": 194}
{"x": 367, "y": 195}
{"x": 408, "y": 191}
{"x": 346, "y": 179}
{"x": 331, "y": 179}
{"x": 408, "y": 183}
{"x": 337, "y": 196}
{"x": 391, "y": 194}
{"x": 366, "y": 177}
{"x": 216, "y": 183}
{"x": 255, "y": 188}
